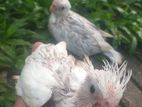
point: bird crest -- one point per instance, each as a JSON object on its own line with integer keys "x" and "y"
{"x": 113, "y": 79}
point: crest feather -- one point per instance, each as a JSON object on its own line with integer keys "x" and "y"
{"x": 115, "y": 79}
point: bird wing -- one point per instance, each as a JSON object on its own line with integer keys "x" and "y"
{"x": 82, "y": 33}
{"x": 93, "y": 26}
{"x": 35, "y": 84}
{"x": 40, "y": 79}
{"x": 104, "y": 34}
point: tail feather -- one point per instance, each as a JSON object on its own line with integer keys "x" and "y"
{"x": 114, "y": 56}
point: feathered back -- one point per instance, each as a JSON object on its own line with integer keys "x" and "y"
{"x": 48, "y": 51}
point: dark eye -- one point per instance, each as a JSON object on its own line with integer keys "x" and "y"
{"x": 62, "y": 8}
{"x": 92, "y": 89}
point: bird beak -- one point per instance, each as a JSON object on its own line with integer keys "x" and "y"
{"x": 36, "y": 45}
{"x": 103, "y": 104}
{"x": 53, "y": 8}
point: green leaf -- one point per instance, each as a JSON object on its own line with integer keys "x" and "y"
{"x": 7, "y": 50}
{"x": 126, "y": 30}
{"x": 19, "y": 63}
{"x": 140, "y": 34}
{"x": 133, "y": 44}
{"x": 5, "y": 60}
{"x": 16, "y": 42}
{"x": 12, "y": 29}
{"x": 119, "y": 9}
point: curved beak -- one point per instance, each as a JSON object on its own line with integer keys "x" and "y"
{"x": 36, "y": 45}
{"x": 103, "y": 104}
{"x": 53, "y": 8}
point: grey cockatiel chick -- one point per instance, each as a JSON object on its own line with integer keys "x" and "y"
{"x": 50, "y": 73}
{"x": 82, "y": 37}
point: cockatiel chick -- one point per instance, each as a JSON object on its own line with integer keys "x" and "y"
{"x": 50, "y": 73}
{"x": 82, "y": 37}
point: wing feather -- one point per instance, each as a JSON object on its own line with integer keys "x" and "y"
{"x": 35, "y": 84}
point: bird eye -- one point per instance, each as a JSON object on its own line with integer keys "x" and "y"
{"x": 62, "y": 8}
{"x": 92, "y": 89}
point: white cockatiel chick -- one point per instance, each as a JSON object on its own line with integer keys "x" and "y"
{"x": 82, "y": 37}
{"x": 50, "y": 73}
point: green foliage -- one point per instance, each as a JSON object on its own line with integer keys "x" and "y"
{"x": 121, "y": 18}
{"x": 22, "y": 21}
{"x": 20, "y": 24}
{"x": 7, "y": 95}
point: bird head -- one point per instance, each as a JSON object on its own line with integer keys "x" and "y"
{"x": 60, "y": 7}
{"x": 103, "y": 88}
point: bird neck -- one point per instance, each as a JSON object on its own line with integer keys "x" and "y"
{"x": 61, "y": 16}
{"x": 52, "y": 18}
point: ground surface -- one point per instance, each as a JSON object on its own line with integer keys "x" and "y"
{"x": 133, "y": 94}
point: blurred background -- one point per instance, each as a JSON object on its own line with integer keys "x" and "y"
{"x": 23, "y": 22}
